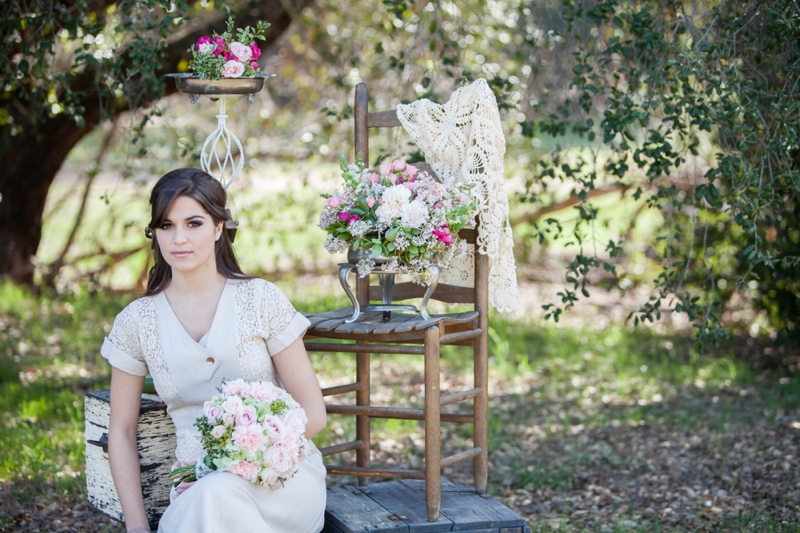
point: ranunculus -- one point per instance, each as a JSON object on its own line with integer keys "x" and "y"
{"x": 255, "y": 51}
{"x": 232, "y": 69}
{"x": 414, "y": 214}
{"x": 242, "y": 51}
{"x": 250, "y": 438}
{"x": 246, "y": 470}
{"x": 246, "y": 416}
{"x": 218, "y": 431}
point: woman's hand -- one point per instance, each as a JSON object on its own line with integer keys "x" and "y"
{"x": 183, "y": 486}
{"x": 139, "y": 530}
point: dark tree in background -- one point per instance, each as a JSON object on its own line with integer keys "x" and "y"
{"x": 65, "y": 66}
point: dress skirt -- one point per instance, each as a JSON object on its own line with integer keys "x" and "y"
{"x": 225, "y": 503}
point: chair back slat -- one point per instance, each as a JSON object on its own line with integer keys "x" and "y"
{"x": 383, "y": 119}
{"x": 451, "y": 294}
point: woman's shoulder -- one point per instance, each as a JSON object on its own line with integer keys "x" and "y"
{"x": 138, "y": 309}
{"x": 256, "y": 285}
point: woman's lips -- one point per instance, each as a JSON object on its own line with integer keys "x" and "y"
{"x": 181, "y": 254}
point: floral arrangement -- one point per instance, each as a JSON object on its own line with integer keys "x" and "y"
{"x": 227, "y": 56}
{"x": 399, "y": 213}
{"x": 254, "y": 430}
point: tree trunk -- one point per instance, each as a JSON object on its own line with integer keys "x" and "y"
{"x": 33, "y": 158}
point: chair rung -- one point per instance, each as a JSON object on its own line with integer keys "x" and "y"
{"x": 363, "y": 348}
{"x": 463, "y": 456}
{"x": 455, "y": 397}
{"x": 452, "y": 338}
{"x": 374, "y": 472}
{"x": 342, "y": 389}
{"x": 405, "y": 413}
{"x": 341, "y": 448}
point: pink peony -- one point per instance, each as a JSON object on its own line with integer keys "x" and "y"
{"x": 249, "y": 438}
{"x": 246, "y": 416}
{"x": 241, "y": 51}
{"x": 245, "y": 469}
{"x": 232, "y": 69}
{"x": 255, "y": 51}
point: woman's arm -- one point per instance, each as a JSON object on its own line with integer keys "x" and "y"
{"x": 123, "y": 455}
{"x": 300, "y": 380}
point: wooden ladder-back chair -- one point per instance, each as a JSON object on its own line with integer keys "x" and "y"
{"x": 409, "y": 334}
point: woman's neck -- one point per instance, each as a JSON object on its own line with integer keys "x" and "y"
{"x": 183, "y": 285}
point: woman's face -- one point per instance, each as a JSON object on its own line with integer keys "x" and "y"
{"x": 187, "y": 237}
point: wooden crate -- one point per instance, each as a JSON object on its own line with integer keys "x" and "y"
{"x": 156, "y": 443}
{"x": 399, "y": 507}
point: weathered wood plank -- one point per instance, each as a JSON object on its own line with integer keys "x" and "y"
{"x": 352, "y": 511}
{"x": 406, "y": 501}
{"x": 388, "y": 327}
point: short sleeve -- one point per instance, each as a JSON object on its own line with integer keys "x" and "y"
{"x": 281, "y": 322}
{"x": 122, "y": 347}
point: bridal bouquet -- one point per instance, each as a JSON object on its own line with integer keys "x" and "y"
{"x": 254, "y": 430}
{"x": 398, "y": 214}
{"x": 226, "y": 55}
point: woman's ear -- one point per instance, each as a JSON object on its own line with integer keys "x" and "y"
{"x": 219, "y": 230}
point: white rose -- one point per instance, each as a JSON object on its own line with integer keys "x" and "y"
{"x": 414, "y": 214}
{"x": 206, "y": 48}
{"x": 397, "y": 194}
{"x": 232, "y": 69}
{"x": 241, "y": 51}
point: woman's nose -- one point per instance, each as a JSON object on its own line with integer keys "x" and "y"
{"x": 179, "y": 235}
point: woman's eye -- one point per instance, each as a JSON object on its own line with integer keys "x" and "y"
{"x": 166, "y": 225}
{"x": 195, "y": 224}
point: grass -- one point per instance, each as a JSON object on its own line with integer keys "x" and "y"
{"x": 570, "y": 408}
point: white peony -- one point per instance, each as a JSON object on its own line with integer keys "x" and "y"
{"x": 388, "y": 212}
{"x": 397, "y": 194}
{"x": 241, "y": 51}
{"x": 414, "y": 214}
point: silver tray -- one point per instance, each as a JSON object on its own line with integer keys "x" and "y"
{"x": 222, "y": 88}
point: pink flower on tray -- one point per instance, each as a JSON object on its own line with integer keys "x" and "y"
{"x": 232, "y": 69}
{"x": 241, "y": 51}
{"x": 255, "y": 51}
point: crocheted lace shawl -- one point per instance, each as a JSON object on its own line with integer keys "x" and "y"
{"x": 463, "y": 139}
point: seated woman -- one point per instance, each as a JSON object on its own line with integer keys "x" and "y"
{"x": 200, "y": 321}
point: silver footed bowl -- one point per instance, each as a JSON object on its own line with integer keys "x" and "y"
{"x": 190, "y": 84}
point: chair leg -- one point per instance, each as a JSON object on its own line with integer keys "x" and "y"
{"x": 362, "y": 421}
{"x": 433, "y": 453}
{"x": 480, "y": 435}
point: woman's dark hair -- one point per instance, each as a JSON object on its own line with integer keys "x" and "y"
{"x": 210, "y": 194}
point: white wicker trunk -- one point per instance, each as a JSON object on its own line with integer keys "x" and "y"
{"x": 156, "y": 443}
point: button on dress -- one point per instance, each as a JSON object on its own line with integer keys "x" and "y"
{"x": 253, "y": 321}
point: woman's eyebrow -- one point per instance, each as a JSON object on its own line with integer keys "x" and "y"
{"x": 194, "y": 216}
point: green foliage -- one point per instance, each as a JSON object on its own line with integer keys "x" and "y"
{"x": 696, "y": 112}
{"x": 53, "y": 59}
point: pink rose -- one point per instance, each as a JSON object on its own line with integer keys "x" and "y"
{"x": 213, "y": 412}
{"x": 218, "y": 431}
{"x": 278, "y": 458}
{"x": 246, "y": 416}
{"x": 242, "y": 51}
{"x": 245, "y": 469}
{"x": 249, "y": 438}
{"x": 296, "y": 421}
{"x": 228, "y": 418}
{"x": 233, "y": 405}
{"x": 232, "y": 69}
{"x": 255, "y": 51}
{"x": 269, "y": 477}
{"x": 276, "y": 430}
{"x": 333, "y": 202}
{"x": 370, "y": 201}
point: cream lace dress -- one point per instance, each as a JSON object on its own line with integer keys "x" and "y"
{"x": 253, "y": 321}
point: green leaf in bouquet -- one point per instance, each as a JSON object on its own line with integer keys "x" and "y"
{"x": 377, "y": 249}
{"x": 391, "y": 235}
{"x": 390, "y": 247}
